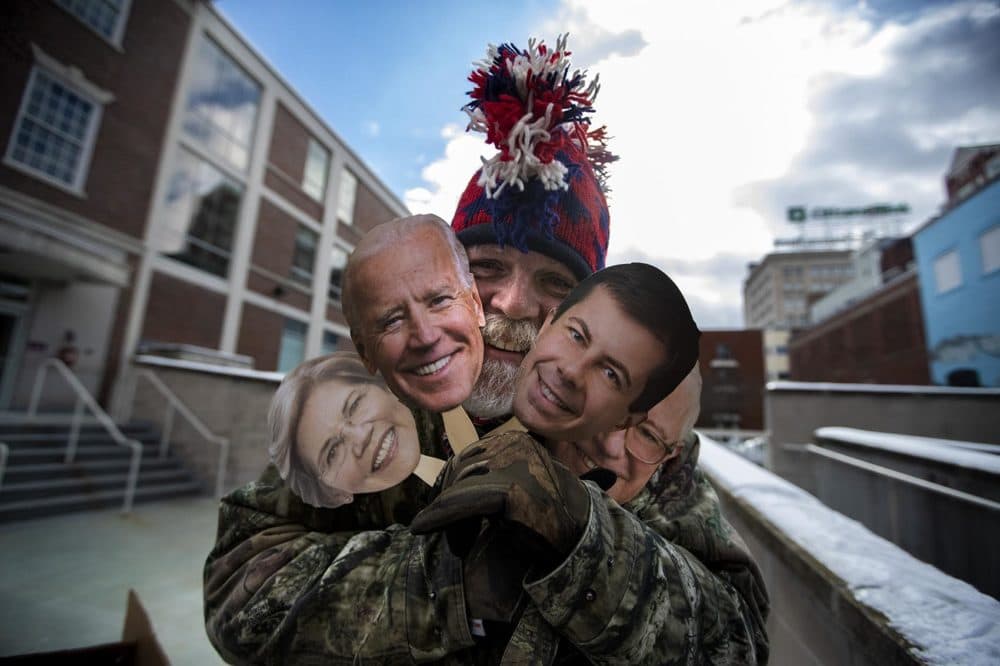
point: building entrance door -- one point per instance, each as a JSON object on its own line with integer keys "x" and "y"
{"x": 14, "y": 297}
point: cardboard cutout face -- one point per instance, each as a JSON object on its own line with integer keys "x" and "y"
{"x": 357, "y": 437}
{"x": 584, "y": 371}
{"x": 636, "y": 453}
{"x": 419, "y": 324}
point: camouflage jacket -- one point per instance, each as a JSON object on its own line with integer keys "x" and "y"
{"x": 664, "y": 581}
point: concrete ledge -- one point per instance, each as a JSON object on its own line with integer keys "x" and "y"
{"x": 841, "y": 594}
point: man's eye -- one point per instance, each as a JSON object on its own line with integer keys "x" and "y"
{"x": 390, "y": 323}
{"x": 611, "y": 374}
{"x": 574, "y": 334}
{"x": 441, "y": 299}
{"x": 485, "y": 268}
{"x": 558, "y": 286}
{"x": 645, "y": 432}
{"x": 354, "y": 404}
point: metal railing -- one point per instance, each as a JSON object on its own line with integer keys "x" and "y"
{"x": 176, "y": 405}
{"x": 908, "y": 479}
{"x": 84, "y": 399}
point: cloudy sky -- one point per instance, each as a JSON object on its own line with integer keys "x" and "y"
{"x": 723, "y": 113}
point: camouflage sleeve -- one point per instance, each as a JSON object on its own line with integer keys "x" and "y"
{"x": 627, "y": 595}
{"x": 288, "y": 583}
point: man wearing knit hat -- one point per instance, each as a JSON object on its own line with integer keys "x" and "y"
{"x": 534, "y": 219}
{"x": 358, "y": 585}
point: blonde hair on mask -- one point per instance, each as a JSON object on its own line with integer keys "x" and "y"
{"x": 285, "y": 413}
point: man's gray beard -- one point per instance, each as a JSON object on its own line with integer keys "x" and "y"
{"x": 493, "y": 394}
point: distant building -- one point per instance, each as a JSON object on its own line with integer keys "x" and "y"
{"x": 958, "y": 255}
{"x": 876, "y": 339}
{"x": 732, "y": 371}
{"x": 779, "y": 290}
{"x": 875, "y": 262}
{"x": 162, "y": 187}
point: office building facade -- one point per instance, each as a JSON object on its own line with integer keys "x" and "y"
{"x": 163, "y": 188}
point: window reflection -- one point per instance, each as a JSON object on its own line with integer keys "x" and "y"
{"x": 200, "y": 215}
{"x": 222, "y": 106}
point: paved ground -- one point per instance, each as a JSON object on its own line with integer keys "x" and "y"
{"x": 64, "y": 580}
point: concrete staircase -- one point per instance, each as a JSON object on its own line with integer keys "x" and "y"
{"x": 38, "y": 482}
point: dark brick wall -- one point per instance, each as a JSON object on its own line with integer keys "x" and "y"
{"x": 879, "y": 341}
{"x": 287, "y": 153}
{"x": 181, "y": 312}
{"x": 274, "y": 242}
{"x": 738, "y": 390}
{"x": 260, "y": 336}
{"x": 369, "y": 210}
{"x": 274, "y": 245}
{"x": 263, "y": 284}
{"x": 120, "y": 179}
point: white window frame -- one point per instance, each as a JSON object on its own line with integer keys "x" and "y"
{"x": 345, "y": 216}
{"x": 989, "y": 240}
{"x": 115, "y": 39}
{"x": 315, "y": 148}
{"x": 946, "y": 282}
{"x": 73, "y": 78}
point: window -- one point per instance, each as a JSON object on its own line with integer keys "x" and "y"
{"x": 314, "y": 179}
{"x": 293, "y": 345}
{"x": 105, "y": 17}
{"x": 330, "y": 340}
{"x": 345, "y": 202}
{"x": 947, "y": 272}
{"x": 337, "y": 263}
{"x": 221, "y": 106}
{"x": 55, "y": 130}
{"x": 304, "y": 256}
{"x": 989, "y": 249}
{"x": 200, "y": 215}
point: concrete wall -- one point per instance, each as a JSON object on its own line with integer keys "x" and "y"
{"x": 839, "y": 593}
{"x": 211, "y": 393}
{"x": 794, "y": 410}
{"x": 814, "y": 619}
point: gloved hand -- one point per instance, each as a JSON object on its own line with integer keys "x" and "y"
{"x": 511, "y": 477}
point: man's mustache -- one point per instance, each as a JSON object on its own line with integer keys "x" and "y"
{"x": 516, "y": 335}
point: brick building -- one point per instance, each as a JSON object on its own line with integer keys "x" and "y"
{"x": 878, "y": 340}
{"x": 162, "y": 186}
{"x": 732, "y": 372}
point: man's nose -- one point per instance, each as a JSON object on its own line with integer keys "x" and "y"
{"x": 423, "y": 331}
{"x": 611, "y": 445}
{"x": 570, "y": 371}
{"x": 516, "y": 298}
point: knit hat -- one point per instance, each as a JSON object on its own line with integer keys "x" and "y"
{"x": 545, "y": 190}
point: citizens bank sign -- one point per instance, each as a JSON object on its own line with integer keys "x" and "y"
{"x": 800, "y": 214}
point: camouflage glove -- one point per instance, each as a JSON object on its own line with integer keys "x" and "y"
{"x": 510, "y": 477}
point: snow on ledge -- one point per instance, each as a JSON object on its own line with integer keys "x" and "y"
{"x": 929, "y": 448}
{"x": 951, "y": 621}
{"x": 210, "y": 368}
{"x": 909, "y": 389}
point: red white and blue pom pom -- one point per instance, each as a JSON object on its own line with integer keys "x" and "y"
{"x": 531, "y": 108}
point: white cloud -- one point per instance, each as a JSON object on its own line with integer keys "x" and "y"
{"x": 711, "y": 107}
{"x": 372, "y": 128}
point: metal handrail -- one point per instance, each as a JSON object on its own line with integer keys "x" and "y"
{"x": 83, "y": 398}
{"x": 176, "y": 404}
{"x": 899, "y": 476}
{"x": 4, "y": 452}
